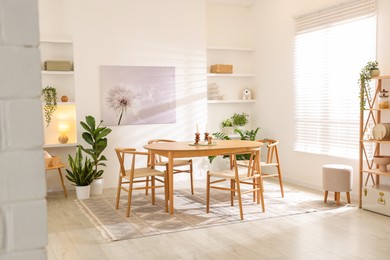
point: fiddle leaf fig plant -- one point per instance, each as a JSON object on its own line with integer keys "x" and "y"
{"x": 49, "y": 95}
{"x": 96, "y": 137}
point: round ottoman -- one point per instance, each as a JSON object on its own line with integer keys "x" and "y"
{"x": 337, "y": 178}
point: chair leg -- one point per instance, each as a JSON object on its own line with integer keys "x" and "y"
{"x": 348, "y": 197}
{"x": 147, "y": 186}
{"x": 325, "y": 196}
{"x": 261, "y": 193}
{"x": 208, "y": 193}
{"x": 129, "y": 197}
{"x": 166, "y": 191}
{"x": 118, "y": 192}
{"x": 280, "y": 181}
{"x": 192, "y": 179}
{"x": 237, "y": 182}
{"x": 232, "y": 192}
{"x": 153, "y": 190}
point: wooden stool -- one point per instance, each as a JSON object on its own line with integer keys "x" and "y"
{"x": 337, "y": 178}
{"x": 58, "y": 167}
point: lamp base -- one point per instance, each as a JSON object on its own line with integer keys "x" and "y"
{"x": 63, "y": 139}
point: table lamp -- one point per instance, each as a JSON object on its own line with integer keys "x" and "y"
{"x": 63, "y": 128}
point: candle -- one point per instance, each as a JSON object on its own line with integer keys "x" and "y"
{"x": 206, "y": 128}
{"x": 197, "y": 129}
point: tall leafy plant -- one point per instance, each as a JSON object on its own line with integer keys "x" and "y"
{"x": 96, "y": 137}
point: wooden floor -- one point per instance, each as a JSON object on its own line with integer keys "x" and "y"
{"x": 345, "y": 233}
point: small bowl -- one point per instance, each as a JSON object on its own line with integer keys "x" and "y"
{"x": 382, "y": 161}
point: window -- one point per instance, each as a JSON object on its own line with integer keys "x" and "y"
{"x": 331, "y": 47}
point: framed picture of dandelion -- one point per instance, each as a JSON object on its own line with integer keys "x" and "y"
{"x": 136, "y": 95}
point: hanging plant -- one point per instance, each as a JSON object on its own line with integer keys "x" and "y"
{"x": 364, "y": 81}
{"x": 50, "y": 103}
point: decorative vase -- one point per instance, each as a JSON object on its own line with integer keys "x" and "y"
{"x": 64, "y": 99}
{"x": 97, "y": 186}
{"x": 83, "y": 192}
{"x": 375, "y": 73}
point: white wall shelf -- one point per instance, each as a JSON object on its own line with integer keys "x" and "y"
{"x": 219, "y": 48}
{"x": 239, "y": 101}
{"x": 238, "y": 75}
{"x": 60, "y": 145}
{"x": 51, "y": 72}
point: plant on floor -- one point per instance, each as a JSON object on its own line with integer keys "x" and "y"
{"x": 96, "y": 137}
{"x": 364, "y": 82}
{"x": 81, "y": 173}
{"x": 49, "y": 95}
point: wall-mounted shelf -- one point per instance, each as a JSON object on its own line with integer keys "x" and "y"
{"x": 60, "y": 145}
{"x": 230, "y": 75}
{"x": 46, "y": 72}
{"x": 219, "y": 48}
{"x": 230, "y": 101}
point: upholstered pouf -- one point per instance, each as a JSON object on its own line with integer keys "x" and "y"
{"x": 337, "y": 178}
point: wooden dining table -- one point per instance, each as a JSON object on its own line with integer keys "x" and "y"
{"x": 173, "y": 150}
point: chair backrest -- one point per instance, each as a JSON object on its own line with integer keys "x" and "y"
{"x": 120, "y": 153}
{"x": 158, "y": 158}
{"x": 272, "y": 150}
{"x": 251, "y": 164}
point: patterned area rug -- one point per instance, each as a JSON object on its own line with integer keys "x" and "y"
{"x": 190, "y": 213}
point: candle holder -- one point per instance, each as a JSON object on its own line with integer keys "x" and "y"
{"x": 210, "y": 140}
{"x": 206, "y": 137}
{"x": 197, "y": 138}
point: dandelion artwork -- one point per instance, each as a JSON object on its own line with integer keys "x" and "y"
{"x": 136, "y": 95}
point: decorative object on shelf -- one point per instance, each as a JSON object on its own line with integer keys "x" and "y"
{"x": 58, "y": 65}
{"x": 63, "y": 128}
{"x": 213, "y": 92}
{"x": 382, "y": 161}
{"x": 246, "y": 94}
{"x": 366, "y": 73}
{"x": 383, "y": 99}
{"x": 81, "y": 174}
{"x": 95, "y": 136}
{"x": 50, "y": 103}
{"x": 240, "y": 120}
{"x": 221, "y": 68}
{"x": 381, "y": 131}
{"x": 64, "y": 99}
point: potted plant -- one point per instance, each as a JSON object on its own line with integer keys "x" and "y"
{"x": 240, "y": 120}
{"x": 367, "y": 72}
{"x": 96, "y": 137}
{"x": 227, "y": 126}
{"x": 49, "y": 95}
{"x": 81, "y": 174}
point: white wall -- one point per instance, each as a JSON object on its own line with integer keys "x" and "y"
{"x": 23, "y": 217}
{"x": 134, "y": 33}
{"x": 275, "y": 114}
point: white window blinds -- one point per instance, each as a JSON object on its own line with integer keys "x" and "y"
{"x": 331, "y": 47}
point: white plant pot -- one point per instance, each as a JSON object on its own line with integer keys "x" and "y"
{"x": 97, "y": 186}
{"x": 83, "y": 192}
{"x": 228, "y": 130}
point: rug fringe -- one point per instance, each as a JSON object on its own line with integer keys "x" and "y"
{"x": 95, "y": 221}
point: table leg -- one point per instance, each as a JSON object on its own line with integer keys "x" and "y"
{"x": 62, "y": 182}
{"x": 170, "y": 181}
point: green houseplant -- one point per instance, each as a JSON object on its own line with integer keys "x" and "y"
{"x": 96, "y": 137}
{"x": 240, "y": 119}
{"x": 227, "y": 126}
{"x": 81, "y": 173}
{"x": 49, "y": 95}
{"x": 370, "y": 70}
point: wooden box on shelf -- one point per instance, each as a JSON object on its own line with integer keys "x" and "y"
{"x": 221, "y": 68}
